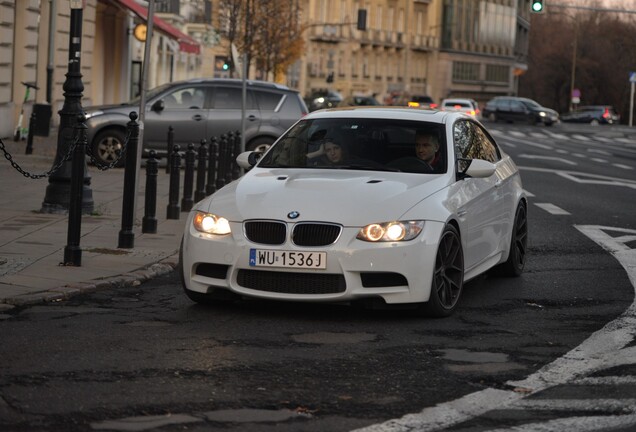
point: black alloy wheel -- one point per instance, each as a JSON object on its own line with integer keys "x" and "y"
{"x": 448, "y": 278}
{"x": 518, "y": 244}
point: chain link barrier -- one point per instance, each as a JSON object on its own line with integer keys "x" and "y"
{"x": 67, "y": 157}
{"x": 54, "y": 168}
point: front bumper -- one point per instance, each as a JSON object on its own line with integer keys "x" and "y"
{"x": 398, "y": 272}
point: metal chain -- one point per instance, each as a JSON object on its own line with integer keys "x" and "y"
{"x": 53, "y": 169}
{"x": 99, "y": 164}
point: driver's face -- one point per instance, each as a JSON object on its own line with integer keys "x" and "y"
{"x": 425, "y": 148}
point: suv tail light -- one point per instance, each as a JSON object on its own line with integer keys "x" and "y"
{"x": 606, "y": 114}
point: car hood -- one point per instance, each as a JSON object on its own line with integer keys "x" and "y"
{"x": 350, "y": 198}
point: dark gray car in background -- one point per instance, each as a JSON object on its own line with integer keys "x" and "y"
{"x": 197, "y": 109}
{"x": 518, "y": 109}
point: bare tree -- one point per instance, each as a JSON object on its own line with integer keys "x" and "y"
{"x": 598, "y": 46}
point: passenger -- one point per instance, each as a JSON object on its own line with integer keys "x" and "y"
{"x": 427, "y": 147}
{"x": 331, "y": 152}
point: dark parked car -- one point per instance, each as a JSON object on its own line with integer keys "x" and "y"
{"x": 358, "y": 101}
{"x": 323, "y": 99}
{"x": 422, "y": 101}
{"x": 592, "y": 114}
{"x": 512, "y": 109}
{"x": 197, "y": 109}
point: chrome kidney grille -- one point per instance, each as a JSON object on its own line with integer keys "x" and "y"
{"x": 308, "y": 234}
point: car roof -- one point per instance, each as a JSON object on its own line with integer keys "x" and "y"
{"x": 387, "y": 112}
{"x": 233, "y": 81}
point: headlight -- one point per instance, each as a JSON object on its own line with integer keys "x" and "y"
{"x": 541, "y": 114}
{"x": 211, "y": 224}
{"x": 391, "y": 231}
{"x": 93, "y": 114}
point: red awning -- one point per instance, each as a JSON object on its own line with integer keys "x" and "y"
{"x": 186, "y": 43}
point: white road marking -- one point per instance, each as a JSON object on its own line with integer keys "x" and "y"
{"x": 561, "y": 151}
{"x": 579, "y": 155}
{"x": 627, "y": 167}
{"x": 599, "y": 160}
{"x": 580, "y": 137}
{"x": 585, "y": 178}
{"x": 552, "y": 209}
{"x": 554, "y": 158}
{"x": 603, "y": 349}
{"x": 529, "y": 194}
{"x": 603, "y": 152}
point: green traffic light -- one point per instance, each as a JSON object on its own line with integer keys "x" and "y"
{"x": 537, "y": 6}
{"x": 226, "y": 66}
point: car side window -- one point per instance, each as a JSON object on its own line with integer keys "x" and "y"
{"x": 185, "y": 98}
{"x": 471, "y": 142}
{"x": 232, "y": 98}
{"x": 268, "y": 101}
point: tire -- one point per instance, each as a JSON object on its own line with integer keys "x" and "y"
{"x": 260, "y": 144}
{"x": 107, "y": 147}
{"x": 516, "y": 261}
{"x": 448, "y": 277}
{"x": 595, "y": 122}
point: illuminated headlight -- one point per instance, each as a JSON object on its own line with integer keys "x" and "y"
{"x": 211, "y": 224}
{"x": 542, "y": 114}
{"x": 93, "y": 114}
{"x": 391, "y": 231}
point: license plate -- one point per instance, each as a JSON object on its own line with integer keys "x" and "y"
{"x": 288, "y": 259}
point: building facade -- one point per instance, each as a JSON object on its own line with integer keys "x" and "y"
{"x": 440, "y": 48}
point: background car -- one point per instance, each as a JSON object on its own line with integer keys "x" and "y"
{"x": 592, "y": 114}
{"x": 196, "y": 109}
{"x": 358, "y": 101}
{"x": 517, "y": 109}
{"x": 467, "y": 106}
{"x": 421, "y": 101}
{"x": 379, "y": 225}
{"x": 323, "y": 99}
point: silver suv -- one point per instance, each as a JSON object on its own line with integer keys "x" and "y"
{"x": 197, "y": 109}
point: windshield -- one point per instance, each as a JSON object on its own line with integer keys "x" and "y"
{"x": 531, "y": 104}
{"x": 149, "y": 94}
{"x": 360, "y": 144}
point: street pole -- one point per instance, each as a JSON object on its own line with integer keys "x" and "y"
{"x": 573, "y": 74}
{"x": 631, "y": 106}
{"x": 58, "y": 192}
{"x": 51, "y": 52}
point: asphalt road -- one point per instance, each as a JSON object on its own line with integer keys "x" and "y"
{"x": 145, "y": 358}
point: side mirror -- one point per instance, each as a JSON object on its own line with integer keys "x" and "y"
{"x": 158, "y": 105}
{"x": 478, "y": 168}
{"x": 248, "y": 159}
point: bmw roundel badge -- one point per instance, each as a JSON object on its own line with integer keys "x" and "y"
{"x": 293, "y": 214}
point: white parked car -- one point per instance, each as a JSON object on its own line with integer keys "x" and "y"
{"x": 377, "y": 225}
{"x": 467, "y": 106}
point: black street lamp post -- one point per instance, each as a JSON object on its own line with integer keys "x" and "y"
{"x": 58, "y": 192}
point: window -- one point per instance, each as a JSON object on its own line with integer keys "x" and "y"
{"x": 472, "y": 142}
{"x": 465, "y": 71}
{"x": 497, "y": 73}
{"x": 267, "y": 101}
{"x": 184, "y": 98}
{"x": 231, "y": 97}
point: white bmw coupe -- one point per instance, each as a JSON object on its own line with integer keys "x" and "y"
{"x": 386, "y": 204}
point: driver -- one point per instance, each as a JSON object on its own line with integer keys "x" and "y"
{"x": 427, "y": 147}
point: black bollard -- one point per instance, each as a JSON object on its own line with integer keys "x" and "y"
{"x": 72, "y": 250}
{"x": 149, "y": 222}
{"x": 236, "y": 171}
{"x": 212, "y": 158}
{"x": 188, "y": 179}
{"x": 199, "y": 193}
{"x": 173, "y": 189}
{"x": 231, "y": 156}
{"x": 126, "y": 233}
{"x": 169, "y": 149}
{"x": 222, "y": 164}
